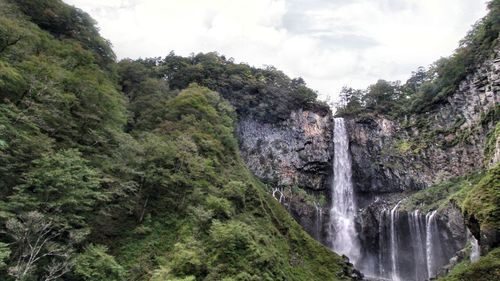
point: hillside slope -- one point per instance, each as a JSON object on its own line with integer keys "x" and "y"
{"x": 113, "y": 172}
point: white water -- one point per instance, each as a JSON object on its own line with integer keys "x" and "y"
{"x": 394, "y": 244}
{"x": 430, "y": 230}
{"x": 318, "y": 221}
{"x": 343, "y": 210}
{"x": 410, "y": 245}
{"x": 475, "y": 252}
{"x": 419, "y": 247}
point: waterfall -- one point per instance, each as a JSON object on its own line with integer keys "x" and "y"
{"x": 394, "y": 243}
{"x": 475, "y": 253}
{"x": 381, "y": 244}
{"x": 342, "y": 212}
{"x": 318, "y": 221}
{"x": 431, "y": 235}
{"x": 419, "y": 248}
{"x": 412, "y": 246}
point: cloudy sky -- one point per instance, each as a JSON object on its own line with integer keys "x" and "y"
{"x": 330, "y": 43}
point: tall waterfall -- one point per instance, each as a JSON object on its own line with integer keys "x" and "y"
{"x": 343, "y": 210}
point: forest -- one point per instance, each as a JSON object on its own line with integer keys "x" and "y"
{"x": 131, "y": 169}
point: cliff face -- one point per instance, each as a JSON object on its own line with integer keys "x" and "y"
{"x": 394, "y": 158}
{"x": 391, "y": 159}
{"x": 295, "y": 152}
{"x": 396, "y": 155}
{"x": 294, "y": 157}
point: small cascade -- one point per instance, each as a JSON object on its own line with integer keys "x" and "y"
{"x": 410, "y": 245}
{"x": 384, "y": 263}
{"x": 432, "y": 243}
{"x": 343, "y": 236}
{"x": 475, "y": 253}
{"x": 278, "y": 194}
{"x": 394, "y": 243}
{"x": 318, "y": 221}
{"x": 417, "y": 234}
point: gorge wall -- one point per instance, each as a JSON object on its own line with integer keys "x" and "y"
{"x": 295, "y": 158}
{"x": 394, "y": 158}
{"x": 294, "y": 152}
{"x": 391, "y": 159}
{"x": 411, "y": 154}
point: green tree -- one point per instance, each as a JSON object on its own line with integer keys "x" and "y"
{"x": 4, "y": 254}
{"x": 61, "y": 185}
{"x": 95, "y": 264}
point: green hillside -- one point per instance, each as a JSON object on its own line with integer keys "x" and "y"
{"x": 126, "y": 171}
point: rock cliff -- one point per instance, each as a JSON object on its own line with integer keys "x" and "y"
{"x": 294, "y": 158}
{"x": 295, "y": 152}
{"x": 410, "y": 154}
{"x": 394, "y": 158}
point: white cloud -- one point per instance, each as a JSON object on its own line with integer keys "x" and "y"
{"x": 328, "y": 43}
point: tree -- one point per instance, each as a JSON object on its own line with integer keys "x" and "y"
{"x": 36, "y": 242}
{"x": 382, "y": 95}
{"x": 61, "y": 185}
{"x": 95, "y": 264}
{"x": 350, "y": 101}
{"x": 4, "y": 254}
{"x": 416, "y": 80}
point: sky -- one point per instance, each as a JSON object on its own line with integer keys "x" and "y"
{"x": 329, "y": 43}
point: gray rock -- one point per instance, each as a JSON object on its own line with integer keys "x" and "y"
{"x": 296, "y": 152}
{"x": 295, "y": 158}
{"x": 397, "y": 155}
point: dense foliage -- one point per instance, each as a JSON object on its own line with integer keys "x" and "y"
{"x": 267, "y": 94}
{"x": 429, "y": 87}
{"x": 131, "y": 170}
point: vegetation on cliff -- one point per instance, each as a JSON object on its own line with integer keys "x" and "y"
{"x": 130, "y": 171}
{"x": 427, "y": 88}
{"x": 265, "y": 94}
{"x": 486, "y": 269}
{"x": 434, "y": 124}
{"x": 477, "y": 195}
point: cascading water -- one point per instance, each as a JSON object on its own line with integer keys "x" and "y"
{"x": 344, "y": 238}
{"x": 417, "y": 234}
{"x": 318, "y": 222}
{"x": 475, "y": 253}
{"x": 432, "y": 242}
{"x": 410, "y": 246}
{"x": 394, "y": 243}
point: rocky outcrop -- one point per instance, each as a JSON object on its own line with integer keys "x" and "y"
{"x": 294, "y": 152}
{"x": 393, "y": 158}
{"x": 420, "y": 150}
{"x": 294, "y": 158}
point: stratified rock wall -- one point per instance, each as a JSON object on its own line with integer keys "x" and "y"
{"x": 392, "y": 158}
{"x": 420, "y": 150}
